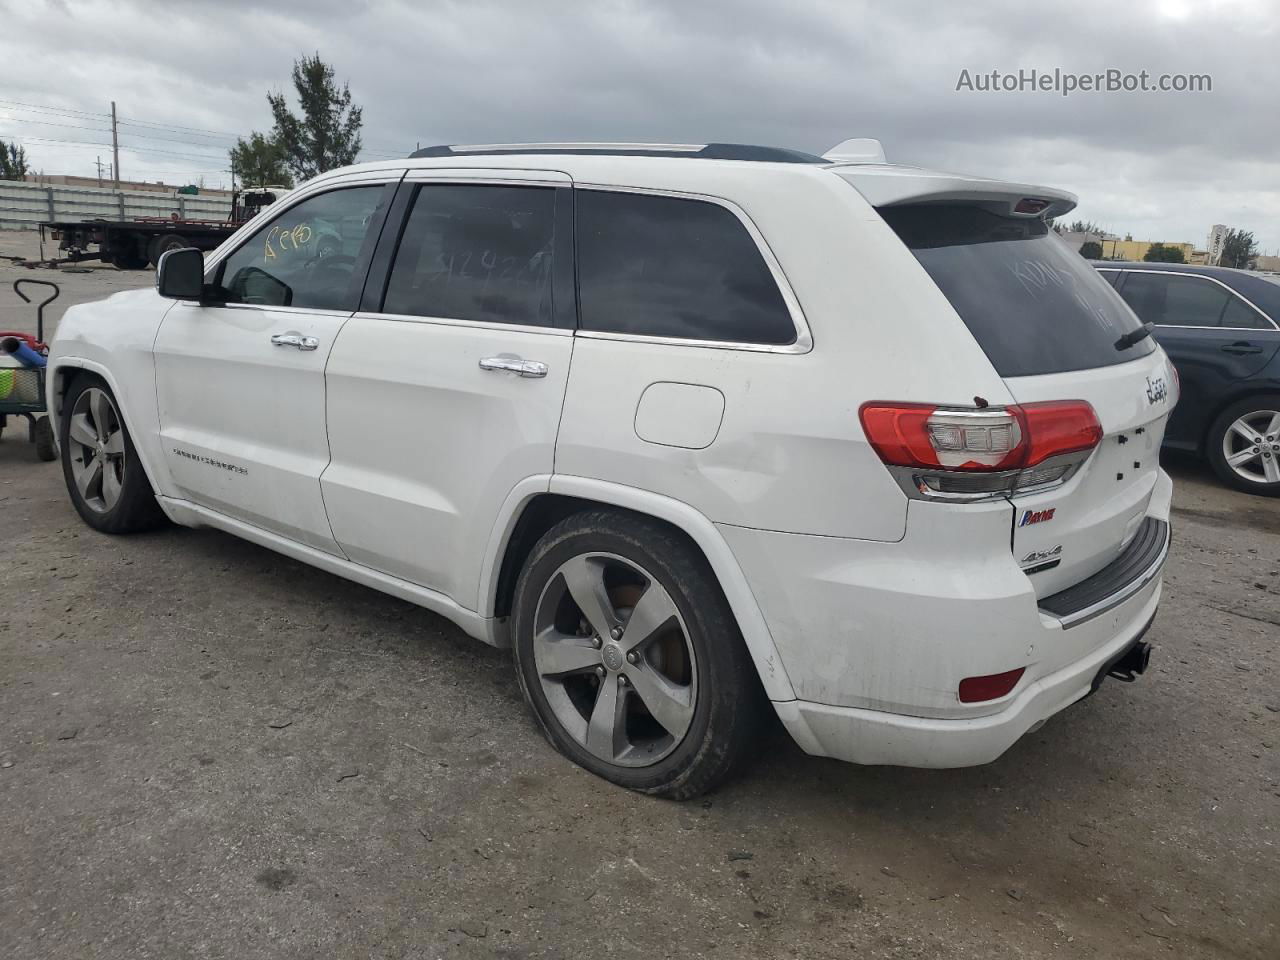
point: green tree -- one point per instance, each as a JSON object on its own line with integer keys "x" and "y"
{"x": 13, "y": 162}
{"x": 327, "y": 134}
{"x": 1091, "y": 250}
{"x": 259, "y": 162}
{"x": 1159, "y": 253}
{"x": 1083, "y": 226}
{"x": 1239, "y": 249}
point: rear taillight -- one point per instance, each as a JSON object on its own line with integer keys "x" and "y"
{"x": 971, "y": 454}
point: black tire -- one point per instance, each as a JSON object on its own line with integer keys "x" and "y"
{"x": 136, "y": 508}
{"x": 162, "y": 244}
{"x": 128, "y": 260}
{"x": 1268, "y": 450}
{"x": 728, "y": 702}
{"x": 43, "y": 431}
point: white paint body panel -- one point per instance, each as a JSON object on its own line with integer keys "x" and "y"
{"x": 242, "y": 420}
{"x": 679, "y": 415}
{"x": 388, "y": 457}
{"x": 427, "y": 446}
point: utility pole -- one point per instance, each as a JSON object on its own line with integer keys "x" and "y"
{"x": 115, "y": 147}
{"x": 98, "y": 161}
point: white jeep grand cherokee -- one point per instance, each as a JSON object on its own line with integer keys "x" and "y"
{"x": 687, "y": 427}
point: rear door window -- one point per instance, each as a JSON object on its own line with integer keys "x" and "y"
{"x": 476, "y": 252}
{"x": 1169, "y": 300}
{"x": 1034, "y": 305}
{"x": 674, "y": 267}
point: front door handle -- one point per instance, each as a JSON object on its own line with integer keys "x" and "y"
{"x": 294, "y": 340}
{"x": 523, "y": 368}
{"x": 1241, "y": 347}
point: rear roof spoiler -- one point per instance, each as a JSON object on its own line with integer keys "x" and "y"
{"x": 887, "y": 185}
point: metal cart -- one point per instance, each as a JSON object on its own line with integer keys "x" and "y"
{"x": 22, "y": 388}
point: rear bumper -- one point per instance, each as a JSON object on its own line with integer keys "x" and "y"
{"x": 875, "y": 637}
{"x": 876, "y": 737}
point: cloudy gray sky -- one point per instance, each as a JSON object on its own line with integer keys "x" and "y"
{"x": 1162, "y": 166}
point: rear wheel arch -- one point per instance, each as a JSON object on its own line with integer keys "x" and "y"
{"x": 542, "y": 511}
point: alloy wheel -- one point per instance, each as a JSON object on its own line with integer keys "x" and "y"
{"x": 614, "y": 660}
{"x": 1251, "y": 446}
{"x": 97, "y": 449}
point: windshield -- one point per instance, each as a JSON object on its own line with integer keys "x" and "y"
{"x": 1033, "y": 304}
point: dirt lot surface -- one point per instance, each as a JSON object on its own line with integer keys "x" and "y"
{"x": 207, "y": 750}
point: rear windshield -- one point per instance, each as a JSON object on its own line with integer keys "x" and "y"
{"x": 1033, "y": 304}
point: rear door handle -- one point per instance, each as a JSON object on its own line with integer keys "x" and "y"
{"x": 294, "y": 340}
{"x": 523, "y": 368}
{"x": 1241, "y": 347}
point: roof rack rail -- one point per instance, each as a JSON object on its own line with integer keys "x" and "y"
{"x": 705, "y": 151}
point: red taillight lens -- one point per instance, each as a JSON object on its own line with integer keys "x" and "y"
{"x": 900, "y": 432}
{"x": 1057, "y": 427}
{"x": 1008, "y": 438}
{"x": 993, "y": 687}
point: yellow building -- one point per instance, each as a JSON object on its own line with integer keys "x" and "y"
{"x": 1137, "y": 249}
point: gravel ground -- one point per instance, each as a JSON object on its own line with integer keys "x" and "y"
{"x": 207, "y": 750}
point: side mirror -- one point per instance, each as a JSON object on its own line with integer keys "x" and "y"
{"x": 180, "y": 274}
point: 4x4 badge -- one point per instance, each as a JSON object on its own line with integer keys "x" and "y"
{"x": 1041, "y": 556}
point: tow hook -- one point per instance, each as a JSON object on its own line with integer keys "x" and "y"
{"x": 1133, "y": 662}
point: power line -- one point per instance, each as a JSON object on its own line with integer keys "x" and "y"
{"x": 99, "y": 143}
{"x": 173, "y": 126}
{"x": 51, "y": 123}
{"x": 390, "y": 152}
{"x": 55, "y": 110}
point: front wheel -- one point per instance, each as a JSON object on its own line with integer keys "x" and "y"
{"x": 630, "y": 657}
{"x": 1244, "y": 445}
{"x": 104, "y": 476}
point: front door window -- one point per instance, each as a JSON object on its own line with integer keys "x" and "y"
{"x": 308, "y": 256}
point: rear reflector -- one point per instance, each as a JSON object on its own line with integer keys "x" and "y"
{"x": 993, "y": 687}
{"x": 994, "y": 439}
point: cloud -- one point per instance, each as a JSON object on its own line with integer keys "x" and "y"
{"x": 1162, "y": 166}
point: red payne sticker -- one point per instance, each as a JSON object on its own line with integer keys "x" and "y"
{"x": 1036, "y": 516}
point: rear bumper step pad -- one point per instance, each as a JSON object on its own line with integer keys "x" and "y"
{"x": 1128, "y": 573}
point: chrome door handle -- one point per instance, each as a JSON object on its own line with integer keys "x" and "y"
{"x": 523, "y": 368}
{"x": 294, "y": 340}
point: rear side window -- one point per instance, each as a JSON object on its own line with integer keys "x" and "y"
{"x": 673, "y": 267}
{"x": 1240, "y": 314}
{"x": 476, "y": 252}
{"x": 1177, "y": 301}
{"x": 1034, "y": 305}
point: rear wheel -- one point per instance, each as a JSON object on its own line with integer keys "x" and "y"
{"x": 128, "y": 260}
{"x": 630, "y": 657}
{"x": 1244, "y": 445}
{"x": 104, "y": 476}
